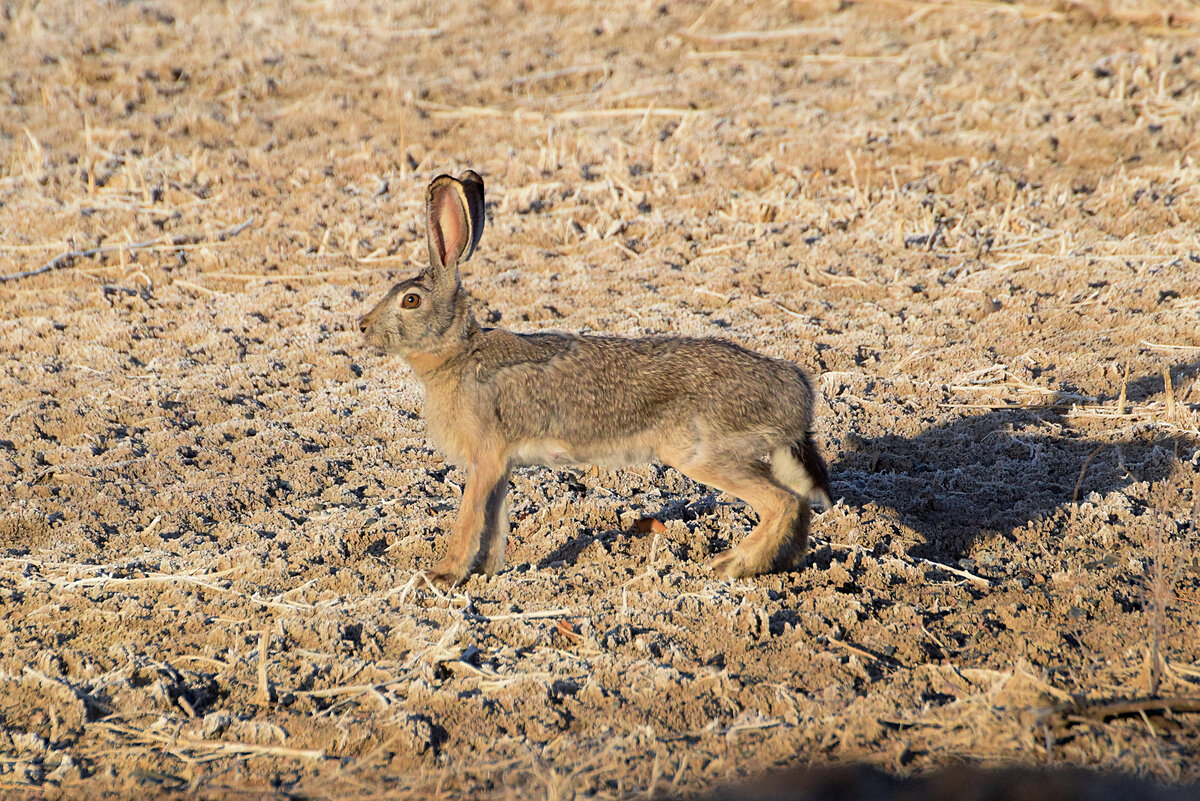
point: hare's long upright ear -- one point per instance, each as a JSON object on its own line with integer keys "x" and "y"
{"x": 473, "y": 189}
{"x": 454, "y": 210}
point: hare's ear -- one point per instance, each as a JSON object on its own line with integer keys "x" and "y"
{"x": 472, "y": 186}
{"x": 454, "y": 212}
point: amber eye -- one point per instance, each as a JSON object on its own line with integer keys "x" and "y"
{"x": 411, "y": 301}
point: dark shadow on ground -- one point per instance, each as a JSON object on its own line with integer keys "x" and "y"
{"x": 998, "y": 470}
{"x": 959, "y": 783}
{"x": 685, "y": 508}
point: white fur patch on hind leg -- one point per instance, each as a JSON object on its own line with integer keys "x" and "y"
{"x": 790, "y": 473}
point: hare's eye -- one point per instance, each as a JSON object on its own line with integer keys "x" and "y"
{"x": 411, "y": 301}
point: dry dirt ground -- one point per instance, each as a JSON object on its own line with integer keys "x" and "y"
{"x": 974, "y": 223}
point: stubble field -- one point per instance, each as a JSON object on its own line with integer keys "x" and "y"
{"x": 975, "y": 224}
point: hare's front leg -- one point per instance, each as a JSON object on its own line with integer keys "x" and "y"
{"x": 481, "y": 528}
{"x": 495, "y": 528}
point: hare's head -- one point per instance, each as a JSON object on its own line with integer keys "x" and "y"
{"x": 428, "y": 313}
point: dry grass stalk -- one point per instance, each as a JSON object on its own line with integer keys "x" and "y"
{"x": 969, "y": 576}
{"x": 264, "y": 688}
{"x": 802, "y": 58}
{"x": 1124, "y": 387}
{"x": 69, "y": 258}
{"x": 1169, "y": 393}
{"x": 783, "y": 33}
{"x": 562, "y": 612}
{"x": 1168, "y": 346}
{"x": 1098, "y": 711}
{"x": 854, "y": 649}
{"x": 209, "y": 748}
{"x": 1079, "y": 481}
{"x": 1160, "y": 594}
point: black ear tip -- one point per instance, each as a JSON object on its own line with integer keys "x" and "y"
{"x": 472, "y": 185}
{"x": 470, "y": 178}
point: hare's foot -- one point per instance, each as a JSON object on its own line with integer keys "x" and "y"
{"x": 790, "y": 557}
{"x": 738, "y": 563}
{"x": 493, "y": 563}
{"x": 777, "y": 543}
{"x": 749, "y": 558}
{"x": 448, "y": 574}
{"x": 730, "y": 564}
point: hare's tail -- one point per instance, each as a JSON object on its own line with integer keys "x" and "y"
{"x": 800, "y": 468}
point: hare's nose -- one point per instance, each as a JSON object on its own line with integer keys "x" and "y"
{"x": 363, "y": 324}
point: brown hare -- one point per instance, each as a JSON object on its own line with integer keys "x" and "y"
{"x": 495, "y": 400}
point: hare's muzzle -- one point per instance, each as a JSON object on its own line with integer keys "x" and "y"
{"x": 369, "y": 325}
{"x": 366, "y": 322}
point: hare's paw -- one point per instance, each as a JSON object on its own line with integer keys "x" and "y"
{"x": 447, "y": 575}
{"x": 790, "y": 558}
{"x": 730, "y": 564}
{"x": 493, "y": 564}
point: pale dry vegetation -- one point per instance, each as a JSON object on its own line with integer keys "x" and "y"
{"x": 974, "y": 223}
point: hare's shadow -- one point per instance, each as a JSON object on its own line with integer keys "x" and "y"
{"x": 999, "y": 470}
{"x": 994, "y": 471}
{"x": 684, "y": 507}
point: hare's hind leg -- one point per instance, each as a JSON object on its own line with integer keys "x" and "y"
{"x": 779, "y": 539}
{"x": 481, "y": 526}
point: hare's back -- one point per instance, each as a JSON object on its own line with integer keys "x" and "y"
{"x": 605, "y": 388}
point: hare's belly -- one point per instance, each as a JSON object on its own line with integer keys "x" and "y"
{"x": 552, "y": 452}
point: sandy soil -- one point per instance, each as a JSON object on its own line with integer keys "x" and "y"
{"x": 975, "y": 224}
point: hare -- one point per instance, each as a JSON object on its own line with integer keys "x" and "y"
{"x": 495, "y": 400}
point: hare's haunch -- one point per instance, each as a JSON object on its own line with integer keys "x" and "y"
{"x": 496, "y": 400}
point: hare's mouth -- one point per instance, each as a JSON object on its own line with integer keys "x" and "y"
{"x": 375, "y": 341}
{"x": 383, "y": 340}
{"x": 370, "y": 332}
{"x": 371, "y": 335}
